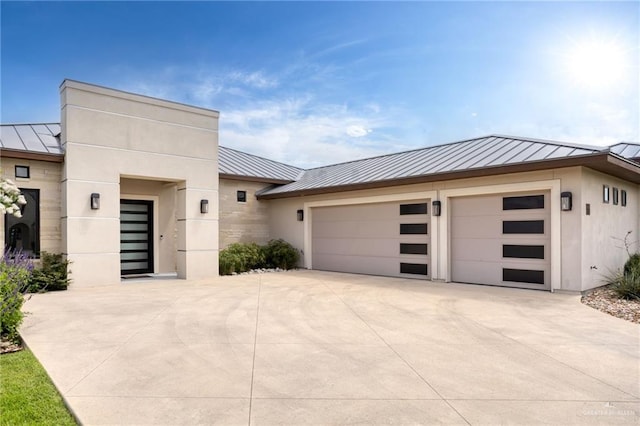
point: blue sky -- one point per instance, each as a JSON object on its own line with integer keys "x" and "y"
{"x": 315, "y": 83}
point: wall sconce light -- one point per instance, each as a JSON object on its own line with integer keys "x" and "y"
{"x": 95, "y": 201}
{"x": 204, "y": 206}
{"x": 300, "y": 214}
{"x": 565, "y": 202}
{"x": 437, "y": 208}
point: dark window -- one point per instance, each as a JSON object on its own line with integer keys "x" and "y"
{"x": 413, "y": 208}
{"x": 523, "y": 227}
{"x": 23, "y": 233}
{"x": 623, "y": 198}
{"x": 523, "y": 276}
{"x": 588, "y": 209}
{"x": 23, "y": 172}
{"x": 242, "y": 196}
{"x": 413, "y": 268}
{"x": 615, "y": 196}
{"x": 523, "y": 203}
{"x": 605, "y": 194}
{"x": 522, "y": 251}
{"x": 413, "y": 248}
{"x": 413, "y": 228}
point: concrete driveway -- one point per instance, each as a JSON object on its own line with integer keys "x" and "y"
{"x": 310, "y": 347}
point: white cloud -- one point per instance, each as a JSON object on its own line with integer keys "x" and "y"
{"x": 256, "y": 79}
{"x": 301, "y": 133}
{"x": 357, "y": 131}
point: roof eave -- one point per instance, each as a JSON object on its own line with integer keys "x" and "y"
{"x": 30, "y": 155}
{"x": 604, "y": 162}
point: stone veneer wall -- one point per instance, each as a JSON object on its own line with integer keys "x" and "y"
{"x": 246, "y": 222}
{"x": 46, "y": 177}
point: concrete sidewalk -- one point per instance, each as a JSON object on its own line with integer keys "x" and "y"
{"x": 311, "y": 347}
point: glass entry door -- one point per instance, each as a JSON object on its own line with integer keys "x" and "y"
{"x": 136, "y": 237}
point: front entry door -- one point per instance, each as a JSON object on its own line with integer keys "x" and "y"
{"x": 136, "y": 237}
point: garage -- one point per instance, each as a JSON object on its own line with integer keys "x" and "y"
{"x": 501, "y": 240}
{"x": 388, "y": 239}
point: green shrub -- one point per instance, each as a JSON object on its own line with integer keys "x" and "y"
{"x": 52, "y": 275}
{"x": 15, "y": 270}
{"x": 626, "y": 284}
{"x": 281, "y": 254}
{"x": 240, "y": 257}
{"x": 632, "y": 264}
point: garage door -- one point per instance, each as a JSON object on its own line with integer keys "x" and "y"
{"x": 390, "y": 239}
{"x": 501, "y": 240}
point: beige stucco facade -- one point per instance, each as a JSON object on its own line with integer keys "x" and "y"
{"x": 112, "y": 137}
{"x": 242, "y": 222}
{"x": 578, "y": 241}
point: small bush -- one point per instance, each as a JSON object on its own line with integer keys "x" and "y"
{"x": 281, "y": 254}
{"x": 632, "y": 264}
{"x": 626, "y": 284}
{"x": 52, "y": 274}
{"x": 15, "y": 271}
{"x": 239, "y": 257}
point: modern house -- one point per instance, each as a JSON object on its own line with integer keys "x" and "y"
{"x": 126, "y": 184}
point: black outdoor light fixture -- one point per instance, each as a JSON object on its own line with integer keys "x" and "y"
{"x": 565, "y": 201}
{"x": 300, "y": 214}
{"x": 204, "y": 206}
{"x": 437, "y": 208}
{"x": 95, "y": 201}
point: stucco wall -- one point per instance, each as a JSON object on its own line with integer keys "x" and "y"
{"x": 46, "y": 177}
{"x": 111, "y": 135}
{"x": 605, "y": 228}
{"x": 571, "y": 258}
{"x": 240, "y": 222}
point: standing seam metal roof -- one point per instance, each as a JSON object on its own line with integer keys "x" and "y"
{"x": 40, "y": 138}
{"x": 478, "y": 153}
{"x": 626, "y": 149}
{"x": 233, "y": 162}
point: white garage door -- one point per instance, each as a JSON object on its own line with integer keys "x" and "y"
{"x": 501, "y": 240}
{"x": 390, "y": 239}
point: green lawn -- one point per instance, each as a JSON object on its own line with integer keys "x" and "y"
{"x": 27, "y": 396}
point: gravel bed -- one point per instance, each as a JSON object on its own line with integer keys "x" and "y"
{"x": 605, "y": 299}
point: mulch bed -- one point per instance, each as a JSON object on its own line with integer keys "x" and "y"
{"x": 605, "y": 299}
{"x": 7, "y": 347}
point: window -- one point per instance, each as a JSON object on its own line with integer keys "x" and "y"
{"x": 523, "y": 226}
{"x": 413, "y": 209}
{"x": 413, "y": 228}
{"x": 242, "y": 196}
{"x": 413, "y": 268}
{"x": 623, "y": 198}
{"x": 523, "y": 203}
{"x": 523, "y": 276}
{"x": 23, "y": 172}
{"x": 605, "y": 194}
{"x": 23, "y": 233}
{"x": 413, "y": 248}
{"x": 615, "y": 196}
{"x": 522, "y": 251}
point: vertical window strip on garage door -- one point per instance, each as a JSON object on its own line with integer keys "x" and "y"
{"x": 414, "y": 248}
